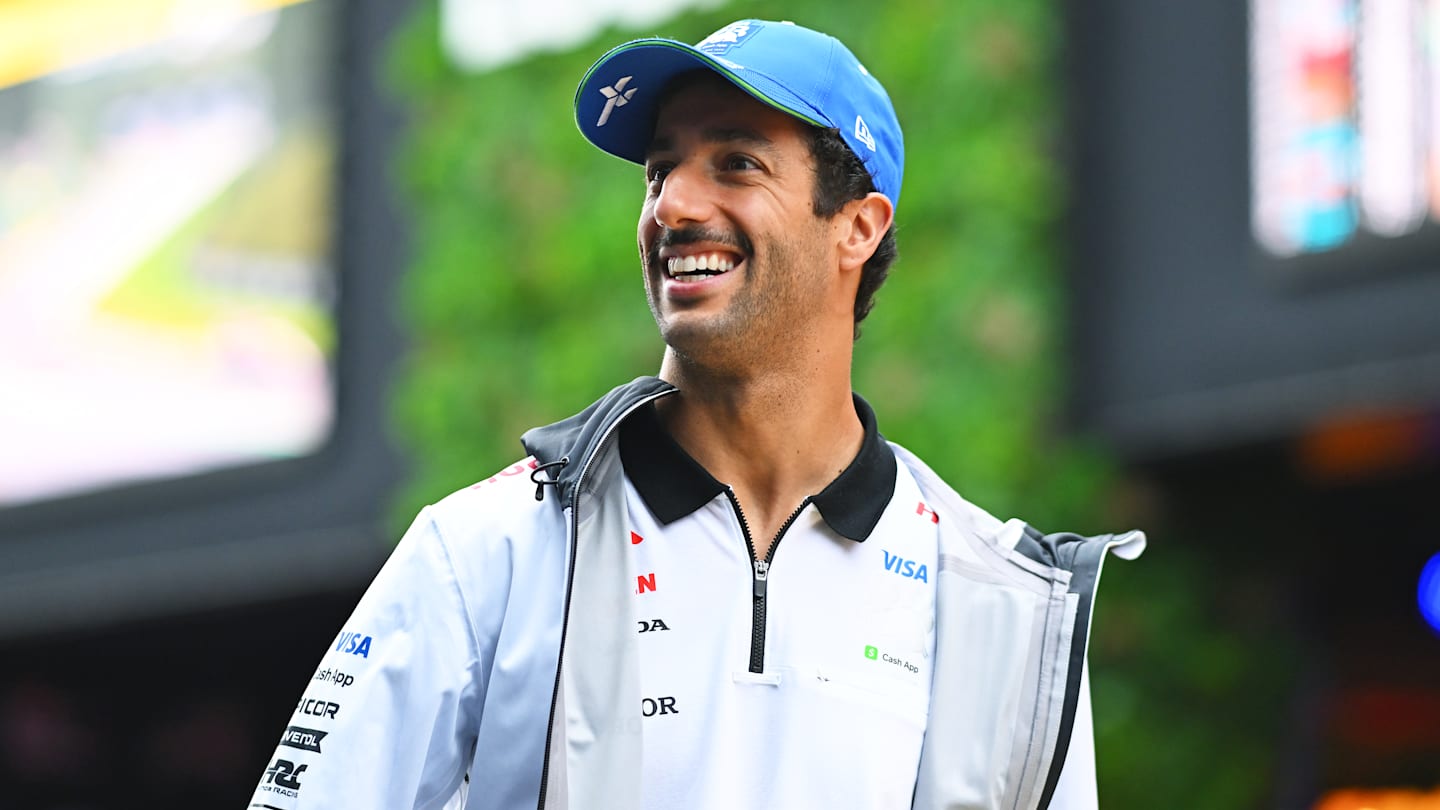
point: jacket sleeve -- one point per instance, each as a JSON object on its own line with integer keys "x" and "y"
{"x": 390, "y": 717}
{"x": 1076, "y": 789}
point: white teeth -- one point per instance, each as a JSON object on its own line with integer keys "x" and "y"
{"x": 709, "y": 264}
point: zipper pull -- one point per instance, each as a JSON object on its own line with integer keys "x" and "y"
{"x": 762, "y": 573}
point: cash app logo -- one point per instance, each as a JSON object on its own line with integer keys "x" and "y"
{"x": 871, "y": 652}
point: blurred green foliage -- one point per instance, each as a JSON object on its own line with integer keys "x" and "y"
{"x": 525, "y": 302}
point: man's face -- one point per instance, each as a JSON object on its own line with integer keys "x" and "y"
{"x": 735, "y": 258}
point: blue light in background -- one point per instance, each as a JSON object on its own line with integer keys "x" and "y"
{"x": 1428, "y": 594}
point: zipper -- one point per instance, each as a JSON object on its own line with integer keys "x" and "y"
{"x": 760, "y": 583}
{"x": 574, "y": 543}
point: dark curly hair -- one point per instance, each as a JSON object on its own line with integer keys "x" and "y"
{"x": 839, "y": 178}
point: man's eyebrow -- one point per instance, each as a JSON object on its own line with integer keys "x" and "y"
{"x": 713, "y": 135}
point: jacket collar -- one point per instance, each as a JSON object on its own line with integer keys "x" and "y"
{"x": 673, "y": 484}
{"x": 565, "y": 447}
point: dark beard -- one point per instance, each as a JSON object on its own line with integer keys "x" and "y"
{"x": 761, "y": 317}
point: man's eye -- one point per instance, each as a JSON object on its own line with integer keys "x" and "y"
{"x": 657, "y": 173}
{"x": 740, "y": 163}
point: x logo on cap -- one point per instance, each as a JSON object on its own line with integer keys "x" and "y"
{"x": 617, "y": 96}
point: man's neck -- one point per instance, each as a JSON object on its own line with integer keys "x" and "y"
{"x": 774, "y": 438}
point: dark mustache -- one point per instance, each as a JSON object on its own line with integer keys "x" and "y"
{"x": 690, "y": 236}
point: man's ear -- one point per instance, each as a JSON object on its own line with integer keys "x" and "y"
{"x": 864, "y": 223}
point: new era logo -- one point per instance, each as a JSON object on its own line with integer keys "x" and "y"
{"x": 618, "y": 97}
{"x": 728, "y": 37}
{"x": 862, "y": 133}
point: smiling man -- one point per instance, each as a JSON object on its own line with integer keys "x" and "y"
{"x": 720, "y": 587}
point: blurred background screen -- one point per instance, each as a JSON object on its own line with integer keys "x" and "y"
{"x": 1254, "y": 287}
{"x": 195, "y": 333}
{"x": 1345, "y": 151}
{"x": 166, "y": 276}
{"x": 1255, "y": 234}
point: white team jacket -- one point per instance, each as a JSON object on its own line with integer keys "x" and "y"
{"x": 496, "y": 643}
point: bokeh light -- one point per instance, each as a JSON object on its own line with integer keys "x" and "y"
{"x": 1428, "y": 594}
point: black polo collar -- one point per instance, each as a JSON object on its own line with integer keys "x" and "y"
{"x": 673, "y": 484}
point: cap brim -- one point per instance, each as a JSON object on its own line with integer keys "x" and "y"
{"x": 646, "y": 67}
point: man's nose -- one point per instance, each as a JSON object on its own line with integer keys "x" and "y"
{"x": 684, "y": 198}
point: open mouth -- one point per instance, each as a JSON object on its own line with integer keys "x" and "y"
{"x": 699, "y": 266}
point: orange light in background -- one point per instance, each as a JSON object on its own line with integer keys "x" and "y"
{"x": 1379, "y": 799}
{"x": 1360, "y": 445}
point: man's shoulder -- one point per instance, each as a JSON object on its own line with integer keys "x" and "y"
{"x": 525, "y": 497}
{"x": 1013, "y": 539}
{"x": 497, "y": 507}
{"x": 503, "y": 486}
{"x": 950, "y": 507}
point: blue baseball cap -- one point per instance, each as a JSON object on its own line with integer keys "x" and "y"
{"x": 805, "y": 73}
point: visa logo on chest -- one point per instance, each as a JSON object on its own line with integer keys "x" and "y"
{"x": 905, "y": 568}
{"x": 353, "y": 643}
